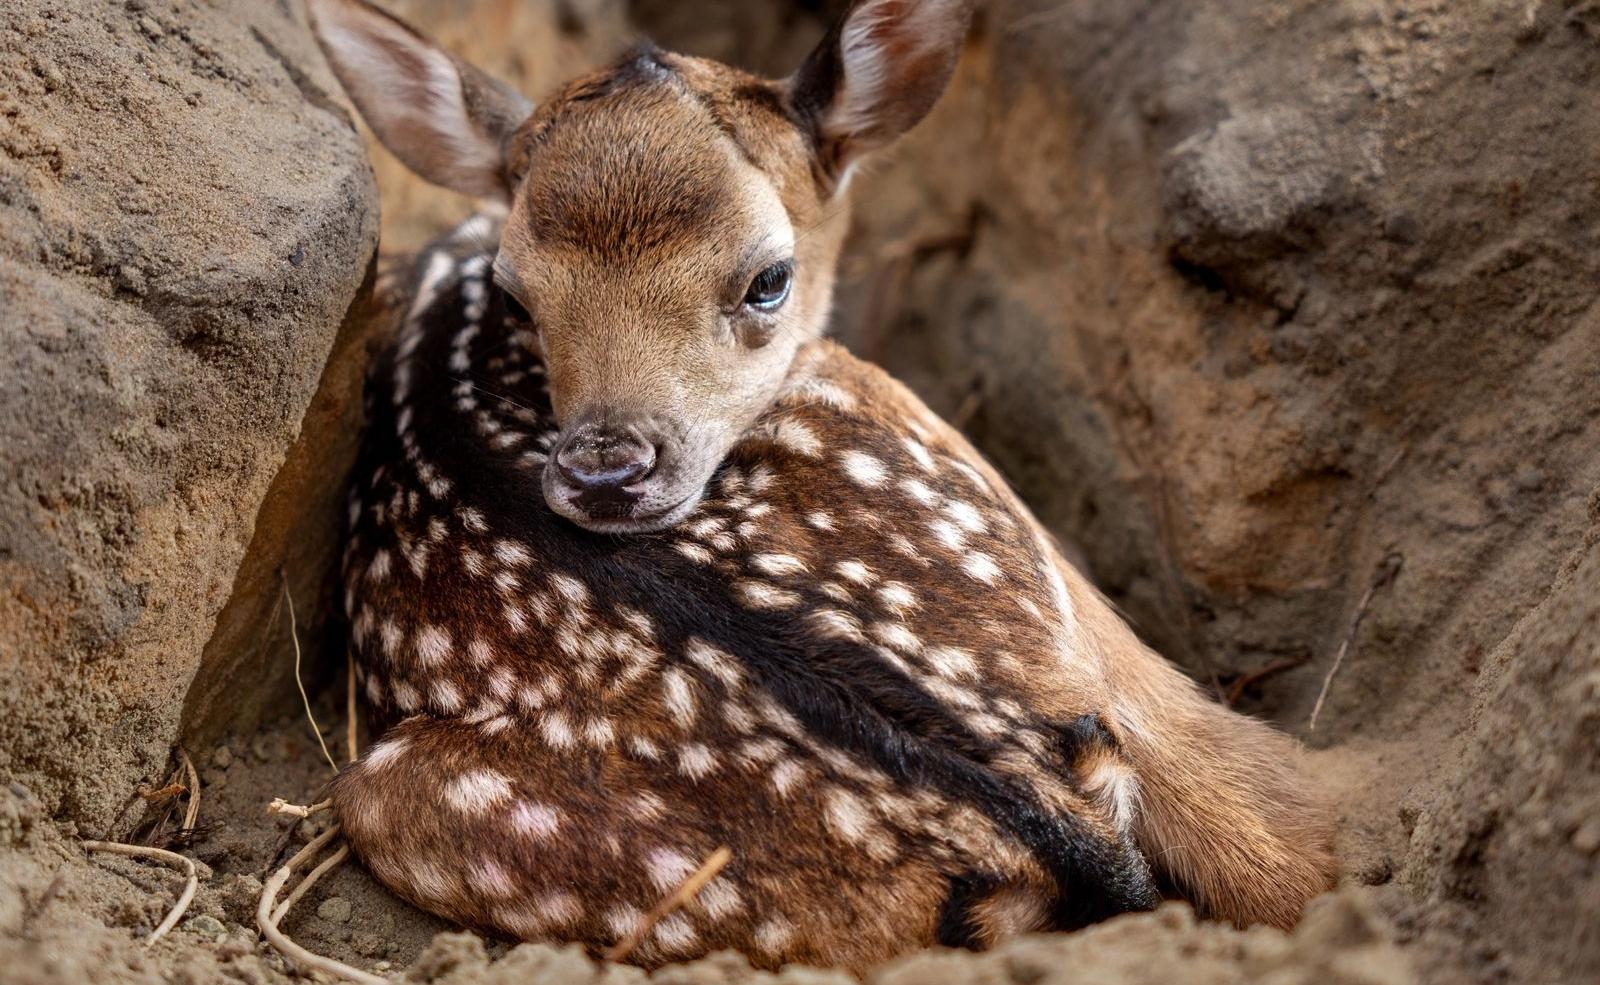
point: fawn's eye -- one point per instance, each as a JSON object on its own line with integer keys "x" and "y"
{"x": 770, "y": 287}
{"x": 514, "y": 309}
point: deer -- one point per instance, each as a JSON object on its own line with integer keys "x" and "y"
{"x": 639, "y": 565}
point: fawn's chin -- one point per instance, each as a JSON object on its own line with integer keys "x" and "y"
{"x": 636, "y": 522}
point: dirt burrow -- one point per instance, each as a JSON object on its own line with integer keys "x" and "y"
{"x": 1240, "y": 342}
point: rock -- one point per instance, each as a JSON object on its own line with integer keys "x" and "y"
{"x": 222, "y": 757}
{"x": 158, "y": 365}
{"x": 450, "y": 952}
{"x": 205, "y": 926}
{"x": 240, "y": 895}
{"x": 334, "y": 909}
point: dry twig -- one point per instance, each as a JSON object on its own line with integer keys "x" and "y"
{"x": 173, "y": 859}
{"x": 351, "y": 748}
{"x": 294, "y": 634}
{"x": 270, "y": 913}
{"x": 283, "y": 808}
{"x": 1245, "y": 681}
{"x": 153, "y": 794}
{"x": 681, "y": 896}
{"x": 1388, "y": 568}
{"x": 192, "y": 813}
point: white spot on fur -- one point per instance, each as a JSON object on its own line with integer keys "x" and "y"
{"x": 919, "y": 453}
{"x": 490, "y": 879}
{"x": 720, "y": 899}
{"x": 692, "y": 551}
{"x": 981, "y": 567}
{"x": 557, "y": 731}
{"x": 948, "y": 661}
{"x": 714, "y": 661}
{"x": 774, "y": 934}
{"x": 919, "y": 491}
{"x": 378, "y": 570}
{"x": 760, "y": 595}
{"x": 846, "y": 816}
{"x": 837, "y": 625}
{"x": 777, "y": 565}
{"x": 432, "y": 645}
{"x": 854, "y": 571}
{"x": 948, "y": 534}
{"x": 696, "y": 761}
{"x": 668, "y": 868}
{"x": 896, "y": 597}
{"x": 476, "y": 791}
{"x": 385, "y": 752}
{"x": 623, "y": 920}
{"x": 678, "y": 696}
{"x": 675, "y": 933}
{"x": 818, "y": 520}
{"x": 786, "y": 775}
{"x": 444, "y": 696}
{"x": 863, "y": 469}
{"x": 535, "y": 820}
{"x": 511, "y": 554}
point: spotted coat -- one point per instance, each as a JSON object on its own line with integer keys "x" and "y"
{"x": 854, "y": 664}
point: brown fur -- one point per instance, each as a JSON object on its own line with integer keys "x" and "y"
{"x": 832, "y": 639}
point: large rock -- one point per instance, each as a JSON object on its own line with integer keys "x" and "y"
{"x": 185, "y": 218}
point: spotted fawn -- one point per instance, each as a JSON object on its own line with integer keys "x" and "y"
{"x": 640, "y": 566}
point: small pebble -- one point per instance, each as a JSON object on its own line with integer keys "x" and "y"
{"x": 334, "y": 909}
{"x": 222, "y": 757}
{"x": 1529, "y": 478}
{"x": 205, "y": 926}
{"x": 150, "y": 27}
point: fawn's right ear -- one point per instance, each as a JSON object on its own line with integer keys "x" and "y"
{"x": 441, "y": 117}
{"x": 876, "y": 74}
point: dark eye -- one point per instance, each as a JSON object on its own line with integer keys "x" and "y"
{"x": 514, "y": 309}
{"x": 771, "y": 286}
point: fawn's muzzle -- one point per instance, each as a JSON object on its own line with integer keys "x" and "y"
{"x": 598, "y": 471}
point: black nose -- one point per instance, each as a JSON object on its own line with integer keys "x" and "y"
{"x": 602, "y": 461}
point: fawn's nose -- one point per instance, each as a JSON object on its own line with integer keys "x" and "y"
{"x": 600, "y": 463}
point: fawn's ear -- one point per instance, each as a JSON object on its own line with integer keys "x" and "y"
{"x": 877, "y": 73}
{"x": 441, "y": 117}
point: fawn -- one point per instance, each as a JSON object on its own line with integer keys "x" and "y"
{"x": 640, "y": 566}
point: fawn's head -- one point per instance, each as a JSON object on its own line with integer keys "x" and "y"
{"x": 673, "y": 223}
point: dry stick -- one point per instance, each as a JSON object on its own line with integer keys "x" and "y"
{"x": 1387, "y": 569}
{"x": 161, "y": 855}
{"x": 294, "y": 634}
{"x": 283, "y": 807}
{"x": 1237, "y": 688}
{"x": 191, "y": 815}
{"x": 350, "y": 706}
{"x": 268, "y": 918}
{"x": 684, "y": 893}
{"x": 327, "y": 865}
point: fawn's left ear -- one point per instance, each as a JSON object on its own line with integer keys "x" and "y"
{"x": 443, "y": 119}
{"x": 877, "y": 73}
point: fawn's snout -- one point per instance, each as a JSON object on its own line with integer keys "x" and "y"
{"x": 601, "y": 472}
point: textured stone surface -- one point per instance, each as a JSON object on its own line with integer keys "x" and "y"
{"x": 184, "y": 221}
